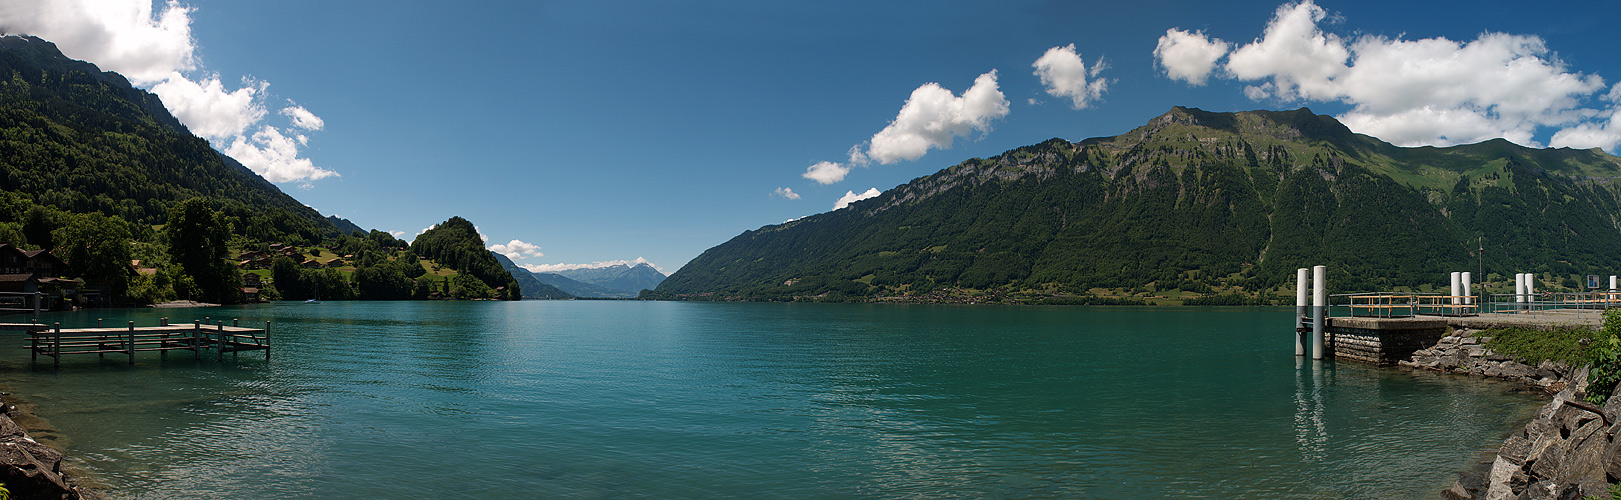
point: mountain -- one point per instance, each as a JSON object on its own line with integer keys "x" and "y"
{"x": 580, "y": 288}
{"x": 75, "y": 139}
{"x": 344, "y": 225}
{"x": 1190, "y": 201}
{"x": 532, "y": 288}
{"x": 622, "y": 278}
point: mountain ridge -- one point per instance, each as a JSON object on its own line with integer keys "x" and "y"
{"x": 1197, "y": 199}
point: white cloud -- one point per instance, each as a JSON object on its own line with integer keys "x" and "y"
{"x": 1603, "y": 135}
{"x": 125, "y": 36}
{"x": 274, "y": 156}
{"x": 208, "y": 109}
{"x": 398, "y": 233}
{"x": 155, "y": 49}
{"x": 851, "y": 197}
{"x": 1431, "y": 91}
{"x": 1300, "y": 59}
{"x": 517, "y": 249}
{"x": 1065, "y": 75}
{"x": 1189, "y": 57}
{"x": 426, "y": 229}
{"x": 786, "y": 193}
{"x": 826, "y": 172}
{"x": 303, "y": 118}
{"x": 552, "y": 268}
{"x": 933, "y": 117}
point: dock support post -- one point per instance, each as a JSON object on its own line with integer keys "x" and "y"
{"x": 163, "y": 321}
{"x": 56, "y": 349}
{"x": 267, "y": 341}
{"x": 219, "y": 329}
{"x": 1469, "y": 290}
{"x": 1319, "y": 303}
{"x": 1531, "y": 290}
{"x": 197, "y": 339}
{"x": 37, "y": 297}
{"x": 1302, "y": 276}
{"x": 130, "y": 344}
{"x": 1457, "y": 289}
{"x": 1519, "y": 291}
{"x": 236, "y": 322}
{"x": 103, "y": 345}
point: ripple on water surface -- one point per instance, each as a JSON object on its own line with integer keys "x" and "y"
{"x": 693, "y": 400}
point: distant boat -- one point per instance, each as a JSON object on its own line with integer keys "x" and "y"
{"x": 311, "y": 301}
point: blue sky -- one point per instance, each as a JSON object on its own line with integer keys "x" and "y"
{"x": 605, "y": 131}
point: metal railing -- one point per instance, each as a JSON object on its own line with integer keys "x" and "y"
{"x": 1511, "y": 303}
{"x": 1405, "y": 304}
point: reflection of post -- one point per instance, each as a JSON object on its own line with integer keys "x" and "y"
{"x": 1301, "y": 277}
{"x": 1319, "y": 306}
{"x": 1311, "y": 428}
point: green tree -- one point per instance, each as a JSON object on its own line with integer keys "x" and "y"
{"x": 198, "y": 237}
{"x": 96, "y": 247}
{"x": 11, "y": 233}
{"x": 289, "y": 279}
{"x": 38, "y": 225}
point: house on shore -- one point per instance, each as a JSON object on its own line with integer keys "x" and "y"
{"x": 31, "y": 271}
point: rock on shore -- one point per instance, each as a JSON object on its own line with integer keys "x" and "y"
{"x": 30, "y": 470}
{"x": 1570, "y": 450}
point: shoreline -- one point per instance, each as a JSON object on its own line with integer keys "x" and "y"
{"x": 38, "y": 467}
{"x": 1568, "y": 447}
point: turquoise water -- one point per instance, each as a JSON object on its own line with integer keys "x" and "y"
{"x": 595, "y": 399}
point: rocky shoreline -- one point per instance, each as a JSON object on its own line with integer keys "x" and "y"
{"x": 31, "y": 470}
{"x": 1571, "y": 449}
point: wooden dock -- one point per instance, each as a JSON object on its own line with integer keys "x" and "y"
{"x": 54, "y": 341}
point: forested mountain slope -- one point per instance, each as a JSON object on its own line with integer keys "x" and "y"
{"x": 1191, "y": 200}
{"x": 79, "y": 140}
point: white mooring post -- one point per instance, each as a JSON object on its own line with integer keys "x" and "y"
{"x": 1519, "y": 291}
{"x": 1468, "y": 289}
{"x": 1319, "y": 306}
{"x": 1302, "y": 277}
{"x": 1457, "y": 288}
{"x": 1531, "y": 290}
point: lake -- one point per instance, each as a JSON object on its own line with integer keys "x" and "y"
{"x": 626, "y": 399}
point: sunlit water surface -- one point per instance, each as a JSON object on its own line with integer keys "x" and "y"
{"x": 599, "y": 399}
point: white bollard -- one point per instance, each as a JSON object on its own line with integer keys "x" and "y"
{"x": 1457, "y": 288}
{"x": 1302, "y": 275}
{"x": 1469, "y": 288}
{"x": 1531, "y": 289}
{"x": 1319, "y": 306}
{"x": 1519, "y": 291}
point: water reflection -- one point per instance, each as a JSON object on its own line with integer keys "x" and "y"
{"x": 606, "y": 399}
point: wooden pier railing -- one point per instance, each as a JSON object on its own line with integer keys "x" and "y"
{"x": 54, "y": 341}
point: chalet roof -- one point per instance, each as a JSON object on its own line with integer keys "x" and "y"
{"x": 16, "y": 278}
{"x": 249, "y": 289}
